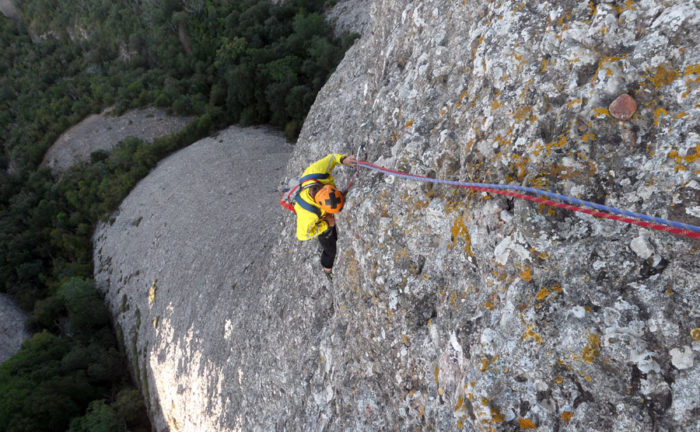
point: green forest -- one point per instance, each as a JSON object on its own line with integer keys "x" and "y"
{"x": 222, "y": 62}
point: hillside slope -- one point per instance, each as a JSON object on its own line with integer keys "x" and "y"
{"x": 454, "y": 310}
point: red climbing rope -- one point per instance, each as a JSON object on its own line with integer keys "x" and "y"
{"x": 595, "y": 213}
{"x": 672, "y": 227}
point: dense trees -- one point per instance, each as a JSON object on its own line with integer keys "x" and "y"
{"x": 246, "y": 62}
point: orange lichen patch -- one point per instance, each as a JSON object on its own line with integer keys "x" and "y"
{"x": 601, "y": 63}
{"x": 563, "y": 140}
{"x": 662, "y": 76}
{"x": 589, "y": 136}
{"x": 695, "y": 334}
{"x": 680, "y": 115}
{"x": 526, "y": 423}
{"x": 690, "y": 158}
{"x": 574, "y": 102}
{"x": 593, "y": 10}
{"x": 453, "y": 298}
{"x": 659, "y": 112}
{"x": 601, "y": 111}
{"x": 489, "y": 305}
{"x": 558, "y": 380}
{"x": 519, "y": 167}
{"x": 562, "y": 172}
{"x": 459, "y": 229}
{"x": 542, "y": 294}
{"x": 503, "y": 142}
{"x": 496, "y": 415}
{"x": 522, "y": 112}
{"x": 629, "y": 5}
{"x": 409, "y": 124}
{"x": 526, "y": 274}
{"x": 592, "y": 348}
{"x": 437, "y": 374}
{"x": 566, "y": 416}
{"x": 460, "y": 401}
{"x": 531, "y": 334}
{"x": 484, "y": 364}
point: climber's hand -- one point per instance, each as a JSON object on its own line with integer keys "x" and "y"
{"x": 350, "y": 161}
{"x": 330, "y": 219}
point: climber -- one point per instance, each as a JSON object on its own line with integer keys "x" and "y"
{"x": 317, "y": 203}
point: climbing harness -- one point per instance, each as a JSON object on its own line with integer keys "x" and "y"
{"x": 569, "y": 203}
{"x": 291, "y": 195}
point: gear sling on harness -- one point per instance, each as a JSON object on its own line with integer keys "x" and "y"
{"x": 288, "y": 202}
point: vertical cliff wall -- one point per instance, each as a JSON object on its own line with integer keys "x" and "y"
{"x": 450, "y": 310}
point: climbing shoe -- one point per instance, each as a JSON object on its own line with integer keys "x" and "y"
{"x": 329, "y": 275}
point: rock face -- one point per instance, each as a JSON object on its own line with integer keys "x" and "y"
{"x": 178, "y": 260}
{"x": 12, "y": 331}
{"x": 102, "y": 132}
{"x": 450, "y": 309}
{"x": 9, "y": 9}
{"x": 349, "y": 16}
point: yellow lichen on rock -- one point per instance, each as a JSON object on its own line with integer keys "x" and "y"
{"x": 566, "y": 416}
{"x": 526, "y": 423}
{"x": 531, "y": 334}
{"x": 526, "y": 274}
{"x": 662, "y": 76}
{"x": 592, "y": 348}
{"x": 152, "y": 292}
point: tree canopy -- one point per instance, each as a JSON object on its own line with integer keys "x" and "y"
{"x": 246, "y": 62}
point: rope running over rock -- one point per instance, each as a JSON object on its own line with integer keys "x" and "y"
{"x": 571, "y": 203}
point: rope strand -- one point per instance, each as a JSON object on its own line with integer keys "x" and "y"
{"x": 571, "y": 203}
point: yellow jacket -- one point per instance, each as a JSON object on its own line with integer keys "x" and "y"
{"x": 309, "y": 225}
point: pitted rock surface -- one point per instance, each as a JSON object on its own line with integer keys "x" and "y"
{"x": 450, "y": 310}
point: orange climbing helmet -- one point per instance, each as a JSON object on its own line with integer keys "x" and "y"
{"x": 330, "y": 199}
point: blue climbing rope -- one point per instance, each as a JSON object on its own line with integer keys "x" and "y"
{"x": 564, "y": 198}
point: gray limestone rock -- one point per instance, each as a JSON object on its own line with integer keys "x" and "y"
{"x": 104, "y": 131}
{"x": 179, "y": 264}
{"x": 12, "y": 331}
{"x": 9, "y": 9}
{"x": 450, "y": 309}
